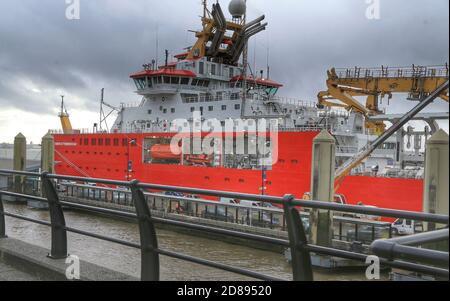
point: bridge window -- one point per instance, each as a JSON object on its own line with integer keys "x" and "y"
{"x": 93, "y": 141}
{"x": 124, "y": 142}
{"x": 141, "y": 83}
{"x": 194, "y": 82}
{"x": 185, "y": 81}
{"x": 107, "y": 142}
{"x": 100, "y": 141}
{"x": 231, "y": 72}
{"x": 201, "y": 68}
{"x": 116, "y": 142}
{"x": 213, "y": 69}
{"x": 174, "y": 80}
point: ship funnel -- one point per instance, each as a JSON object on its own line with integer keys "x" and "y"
{"x": 237, "y": 8}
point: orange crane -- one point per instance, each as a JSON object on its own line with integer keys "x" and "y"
{"x": 64, "y": 118}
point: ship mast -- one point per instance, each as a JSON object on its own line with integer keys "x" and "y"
{"x": 244, "y": 70}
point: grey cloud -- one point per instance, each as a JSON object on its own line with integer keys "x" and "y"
{"x": 114, "y": 38}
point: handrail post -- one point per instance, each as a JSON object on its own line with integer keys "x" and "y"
{"x": 57, "y": 220}
{"x": 149, "y": 242}
{"x": 301, "y": 259}
{"x": 2, "y": 220}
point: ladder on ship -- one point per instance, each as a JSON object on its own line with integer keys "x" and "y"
{"x": 352, "y": 163}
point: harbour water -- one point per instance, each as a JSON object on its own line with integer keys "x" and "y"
{"x": 127, "y": 260}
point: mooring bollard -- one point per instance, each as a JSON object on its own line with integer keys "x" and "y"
{"x": 435, "y": 197}
{"x": 47, "y": 156}
{"x": 20, "y": 161}
{"x": 322, "y": 187}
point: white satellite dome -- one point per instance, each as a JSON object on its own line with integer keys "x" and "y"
{"x": 237, "y": 8}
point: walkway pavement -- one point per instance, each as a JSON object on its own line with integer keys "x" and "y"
{"x": 10, "y": 273}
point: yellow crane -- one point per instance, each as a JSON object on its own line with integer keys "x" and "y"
{"x": 64, "y": 118}
{"x": 376, "y": 83}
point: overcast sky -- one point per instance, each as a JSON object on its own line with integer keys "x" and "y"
{"x": 44, "y": 55}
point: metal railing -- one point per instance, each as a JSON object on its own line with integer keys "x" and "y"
{"x": 408, "y": 248}
{"x": 393, "y": 72}
{"x": 150, "y": 266}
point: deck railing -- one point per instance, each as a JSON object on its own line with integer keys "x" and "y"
{"x": 150, "y": 251}
{"x": 393, "y": 72}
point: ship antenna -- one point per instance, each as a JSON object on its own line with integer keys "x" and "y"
{"x": 157, "y": 44}
{"x": 268, "y": 57}
{"x": 167, "y": 57}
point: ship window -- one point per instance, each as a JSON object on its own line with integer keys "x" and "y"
{"x": 206, "y": 83}
{"x": 116, "y": 142}
{"x": 172, "y": 110}
{"x": 149, "y": 112}
{"x": 164, "y": 111}
{"x": 174, "y": 80}
{"x": 185, "y": 81}
{"x": 213, "y": 69}
{"x": 201, "y": 68}
{"x": 210, "y": 108}
{"x": 224, "y": 108}
{"x": 189, "y": 98}
{"x": 107, "y": 142}
{"x": 237, "y": 106}
{"x": 231, "y": 72}
{"x": 149, "y": 82}
{"x": 81, "y": 141}
{"x": 100, "y": 142}
{"x": 192, "y": 109}
{"x": 159, "y": 79}
{"x": 93, "y": 141}
{"x": 166, "y": 80}
{"x": 124, "y": 142}
{"x": 234, "y": 96}
{"x": 219, "y": 96}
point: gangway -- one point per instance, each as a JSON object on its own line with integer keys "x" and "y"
{"x": 346, "y": 168}
{"x": 375, "y": 83}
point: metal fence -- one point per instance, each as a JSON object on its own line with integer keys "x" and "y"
{"x": 150, "y": 251}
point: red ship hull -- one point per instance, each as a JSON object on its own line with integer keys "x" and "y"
{"x": 291, "y": 174}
